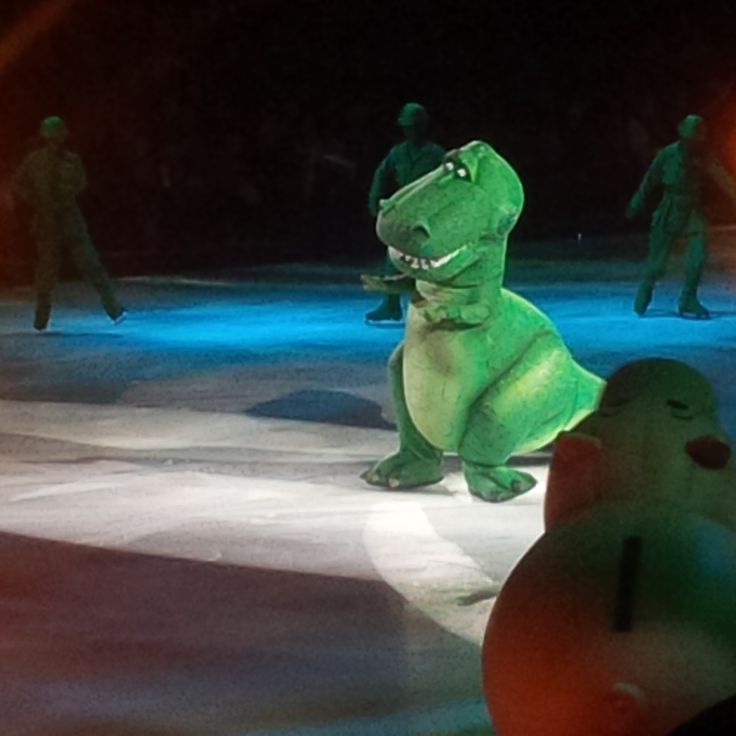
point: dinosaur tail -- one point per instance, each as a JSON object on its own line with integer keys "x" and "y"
{"x": 589, "y": 390}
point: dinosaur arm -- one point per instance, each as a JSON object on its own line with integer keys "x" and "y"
{"x": 461, "y": 314}
{"x": 462, "y": 305}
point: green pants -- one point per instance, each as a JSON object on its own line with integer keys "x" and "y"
{"x": 392, "y": 301}
{"x": 390, "y": 304}
{"x": 660, "y": 247}
{"x": 77, "y": 244}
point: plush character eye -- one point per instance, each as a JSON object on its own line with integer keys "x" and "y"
{"x": 449, "y": 166}
{"x": 679, "y": 409}
{"x": 462, "y": 172}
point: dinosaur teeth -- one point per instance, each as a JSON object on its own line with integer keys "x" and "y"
{"x": 437, "y": 262}
{"x": 423, "y": 264}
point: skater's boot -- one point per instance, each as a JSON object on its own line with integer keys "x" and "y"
{"x": 389, "y": 310}
{"x": 643, "y": 297}
{"x": 690, "y": 307}
{"x": 120, "y": 317}
{"x": 43, "y": 312}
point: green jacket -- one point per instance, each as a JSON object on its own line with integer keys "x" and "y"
{"x": 50, "y": 181}
{"x": 405, "y": 163}
{"x": 681, "y": 179}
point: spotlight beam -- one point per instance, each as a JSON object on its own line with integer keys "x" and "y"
{"x": 34, "y": 24}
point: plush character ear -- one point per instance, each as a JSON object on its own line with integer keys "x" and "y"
{"x": 626, "y": 708}
{"x": 572, "y": 477}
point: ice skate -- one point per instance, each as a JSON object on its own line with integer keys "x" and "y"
{"x": 691, "y": 308}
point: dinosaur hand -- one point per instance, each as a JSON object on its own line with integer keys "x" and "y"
{"x": 441, "y": 313}
{"x": 463, "y": 314}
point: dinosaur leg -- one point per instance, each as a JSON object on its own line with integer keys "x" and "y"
{"x": 417, "y": 463}
{"x": 524, "y": 410}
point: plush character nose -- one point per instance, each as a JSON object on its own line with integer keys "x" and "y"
{"x": 420, "y": 234}
{"x": 709, "y": 452}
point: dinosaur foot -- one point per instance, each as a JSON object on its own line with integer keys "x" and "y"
{"x": 403, "y": 470}
{"x": 497, "y": 483}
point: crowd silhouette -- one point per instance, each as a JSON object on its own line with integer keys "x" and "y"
{"x": 215, "y": 137}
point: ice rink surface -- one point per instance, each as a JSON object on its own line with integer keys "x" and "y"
{"x": 187, "y": 547}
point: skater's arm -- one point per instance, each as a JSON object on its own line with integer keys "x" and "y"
{"x": 651, "y": 181}
{"x": 21, "y": 184}
{"x": 438, "y": 154}
{"x": 381, "y": 184}
{"x": 80, "y": 176}
{"x": 721, "y": 176}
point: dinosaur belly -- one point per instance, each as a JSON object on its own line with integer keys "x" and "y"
{"x": 445, "y": 371}
{"x": 451, "y": 371}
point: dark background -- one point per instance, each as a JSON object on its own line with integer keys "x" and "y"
{"x": 225, "y": 133}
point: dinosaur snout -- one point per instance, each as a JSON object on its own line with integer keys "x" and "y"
{"x": 420, "y": 234}
{"x": 709, "y": 452}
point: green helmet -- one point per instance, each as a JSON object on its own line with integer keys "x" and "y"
{"x": 53, "y": 128}
{"x": 691, "y": 127}
{"x": 412, "y": 114}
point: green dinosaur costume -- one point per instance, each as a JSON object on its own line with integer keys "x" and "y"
{"x": 49, "y": 180}
{"x": 481, "y": 372}
{"x": 406, "y": 162}
{"x": 680, "y": 171}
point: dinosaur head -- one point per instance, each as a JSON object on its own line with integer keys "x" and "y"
{"x": 454, "y": 217}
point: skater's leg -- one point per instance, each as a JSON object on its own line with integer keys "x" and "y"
{"x": 660, "y": 246}
{"x": 695, "y": 260}
{"x": 91, "y": 269}
{"x": 47, "y": 274}
{"x": 389, "y": 309}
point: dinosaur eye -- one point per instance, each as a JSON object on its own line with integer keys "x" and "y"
{"x": 462, "y": 173}
{"x": 449, "y": 166}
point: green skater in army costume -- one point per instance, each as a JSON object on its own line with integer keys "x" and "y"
{"x": 481, "y": 372}
{"x": 680, "y": 171}
{"x": 49, "y": 180}
{"x": 406, "y": 162}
